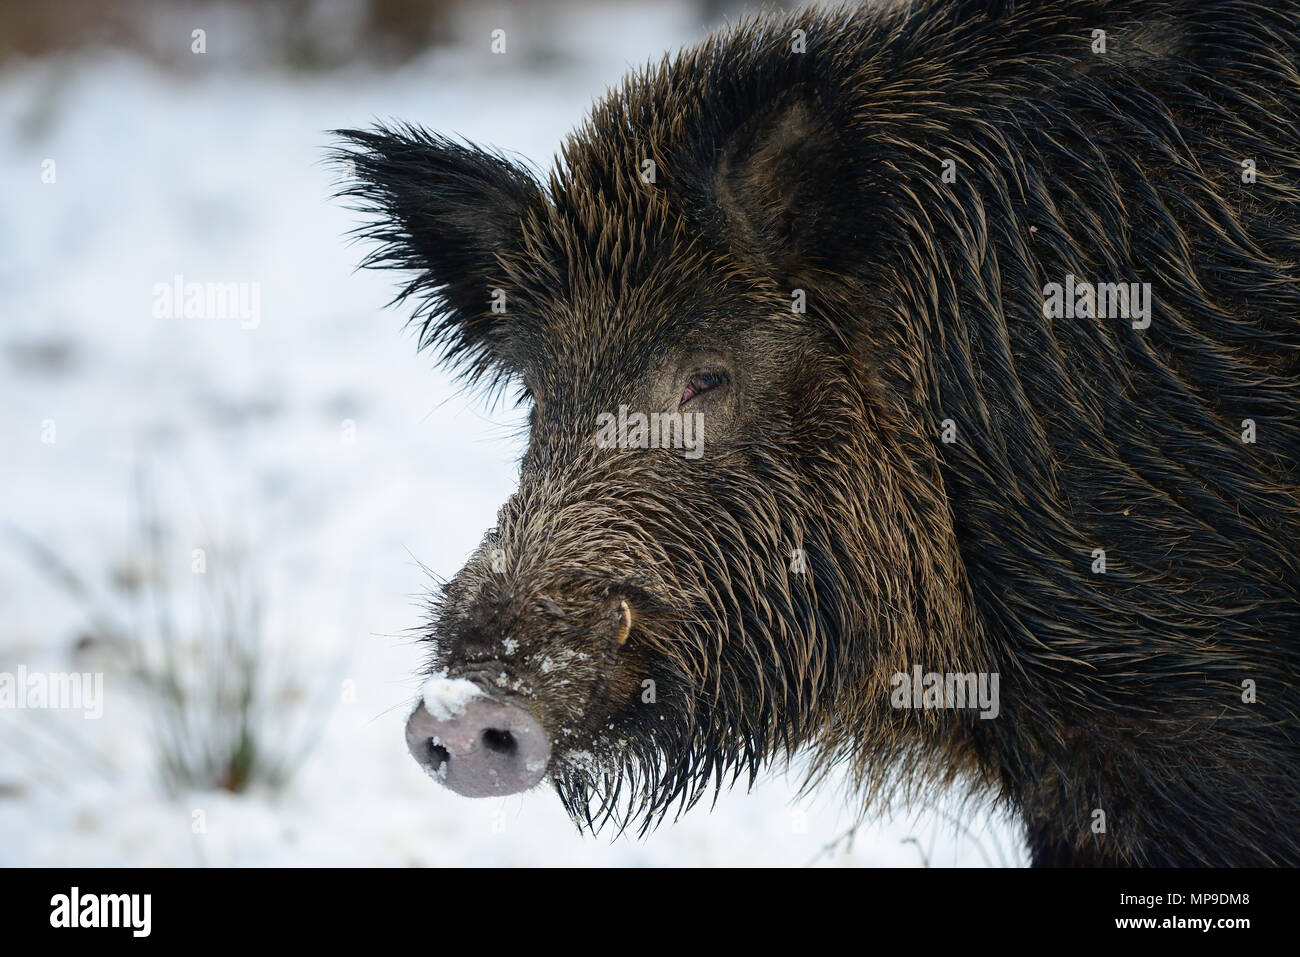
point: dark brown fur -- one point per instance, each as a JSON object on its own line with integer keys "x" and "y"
{"x": 1121, "y": 692}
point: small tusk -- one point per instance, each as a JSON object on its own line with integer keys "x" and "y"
{"x": 626, "y": 625}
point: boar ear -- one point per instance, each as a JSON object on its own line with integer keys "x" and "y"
{"x": 444, "y": 211}
{"x": 783, "y": 183}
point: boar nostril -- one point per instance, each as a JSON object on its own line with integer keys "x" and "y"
{"x": 438, "y": 755}
{"x": 502, "y": 742}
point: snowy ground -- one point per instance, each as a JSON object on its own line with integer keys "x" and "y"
{"x": 243, "y": 434}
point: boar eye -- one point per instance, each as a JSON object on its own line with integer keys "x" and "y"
{"x": 701, "y": 382}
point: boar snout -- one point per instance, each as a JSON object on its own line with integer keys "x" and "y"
{"x": 478, "y": 747}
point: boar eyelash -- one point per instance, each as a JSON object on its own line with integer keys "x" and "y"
{"x": 701, "y": 382}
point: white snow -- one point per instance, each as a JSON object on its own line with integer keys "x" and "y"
{"x": 447, "y": 697}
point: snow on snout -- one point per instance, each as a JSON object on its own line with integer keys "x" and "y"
{"x": 447, "y": 697}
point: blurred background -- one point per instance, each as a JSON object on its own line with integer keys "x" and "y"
{"x": 232, "y": 519}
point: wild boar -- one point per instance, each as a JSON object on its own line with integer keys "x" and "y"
{"x": 984, "y": 318}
